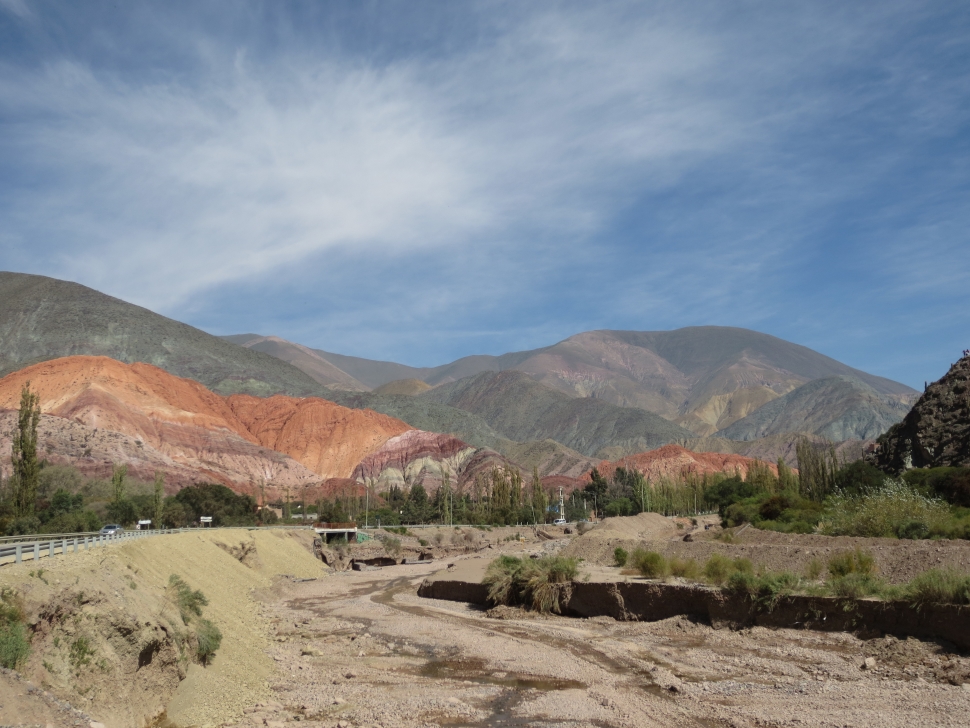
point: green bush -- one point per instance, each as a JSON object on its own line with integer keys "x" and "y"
{"x": 718, "y": 568}
{"x": 208, "y": 640}
{"x": 620, "y": 556}
{"x": 938, "y": 586}
{"x": 650, "y": 564}
{"x": 14, "y": 645}
{"x": 512, "y": 581}
{"x": 14, "y": 642}
{"x": 851, "y": 562}
{"x": 766, "y": 588}
{"x": 855, "y": 585}
{"x": 501, "y": 578}
{"x": 80, "y": 652}
{"x": 882, "y": 513}
{"x": 685, "y": 568}
{"x": 189, "y": 602}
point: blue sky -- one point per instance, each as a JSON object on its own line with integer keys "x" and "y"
{"x": 421, "y": 181}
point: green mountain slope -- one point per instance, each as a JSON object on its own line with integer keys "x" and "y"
{"x": 520, "y": 408}
{"x": 44, "y": 318}
{"x": 703, "y": 377}
{"x": 838, "y": 408}
{"x": 423, "y": 414}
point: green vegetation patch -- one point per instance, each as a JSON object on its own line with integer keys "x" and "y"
{"x": 14, "y": 641}
{"x": 529, "y": 582}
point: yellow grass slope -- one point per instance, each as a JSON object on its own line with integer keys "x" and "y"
{"x": 117, "y": 598}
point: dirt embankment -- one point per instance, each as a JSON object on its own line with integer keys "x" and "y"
{"x": 106, "y": 631}
{"x": 896, "y": 560}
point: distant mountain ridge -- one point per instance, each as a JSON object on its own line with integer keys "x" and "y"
{"x": 522, "y": 409}
{"x": 703, "y": 378}
{"x": 837, "y": 408}
{"x": 44, "y": 318}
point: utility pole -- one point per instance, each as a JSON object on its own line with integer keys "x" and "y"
{"x": 562, "y": 506}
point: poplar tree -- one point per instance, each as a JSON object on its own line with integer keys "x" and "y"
{"x": 25, "y": 468}
{"x": 157, "y": 498}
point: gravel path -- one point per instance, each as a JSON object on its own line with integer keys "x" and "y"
{"x": 361, "y": 649}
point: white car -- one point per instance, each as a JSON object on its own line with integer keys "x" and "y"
{"x": 559, "y": 522}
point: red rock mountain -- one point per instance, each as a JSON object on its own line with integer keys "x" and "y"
{"x": 237, "y": 439}
{"x": 672, "y": 461}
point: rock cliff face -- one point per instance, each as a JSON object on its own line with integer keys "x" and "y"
{"x": 672, "y": 461}
{"x": 180, "y": 427}
{"x": 325, "y": 437}
{"x": 936, "y": 432}
{"x": 227, "y": 459}
{"x": 418, "y": 457}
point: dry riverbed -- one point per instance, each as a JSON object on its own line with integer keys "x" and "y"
{"x": 361, "y": 649}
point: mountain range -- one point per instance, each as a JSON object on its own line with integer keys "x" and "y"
{"x": 596, "y": 395}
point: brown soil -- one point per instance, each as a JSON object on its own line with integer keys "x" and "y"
{"x": 896, "y": 560}
{"x": 359, "y": 649}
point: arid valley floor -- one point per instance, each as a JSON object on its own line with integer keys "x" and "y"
{"x": 319, "y": 647}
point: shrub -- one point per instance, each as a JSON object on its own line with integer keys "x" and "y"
{"x": 856, "y": 585}
{"x": 80, "y": 652}
{"x": 685, "y": 568}
{"x": 14, "y": 645}
{"x": 767, "y": 588}
{"x": 208, "y": 640}
{"x": 620, "y": 556}
{"x": 392, "y": 545}
{"x": 743, "y": 565}
{"x": 540, "y": 578}
{"x": 814, "y": 569}
{"x": 500, "y": 578}
{"x": 851, "y": 562}
{"x": 718, "y": 568}
{"x": 914, "y": 530}
{"x": 882, "y": 513}
{"x": 511, "y": 580}
{"x": 938, "y": 586}
{"x": 189, "y": 602}
{"x": 650, "y": 564}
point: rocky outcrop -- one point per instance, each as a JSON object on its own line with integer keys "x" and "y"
{"x": 141, "y": 415}
{"x": 674, "y": 461}
{"x": 936, "y": 432}
{"x": 214, "y": 457}
{"x": 424, "y": 458}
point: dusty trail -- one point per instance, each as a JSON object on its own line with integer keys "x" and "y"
{"x": 361, "y": 649}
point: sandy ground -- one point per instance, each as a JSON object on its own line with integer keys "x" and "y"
{"x": 361, "y": 649}
{"x": 306, "y": 644}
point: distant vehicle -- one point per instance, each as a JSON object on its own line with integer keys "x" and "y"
{"x": 559, "y": 522}
{"x": 111, "y": 529}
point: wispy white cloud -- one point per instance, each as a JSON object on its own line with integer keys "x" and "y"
{"x": 17, "y": 7}
{"x": 515, "y": 162}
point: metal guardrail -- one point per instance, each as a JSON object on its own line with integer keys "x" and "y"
{"x": 63, "y": 543}
{"x": 32, "y": 547}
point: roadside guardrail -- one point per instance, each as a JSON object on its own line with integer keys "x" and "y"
{"x": 17, "y": 549}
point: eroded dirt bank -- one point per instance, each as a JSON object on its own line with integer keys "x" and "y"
{"x": 108, "y": 638}
{"x": 361, "y": 649}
